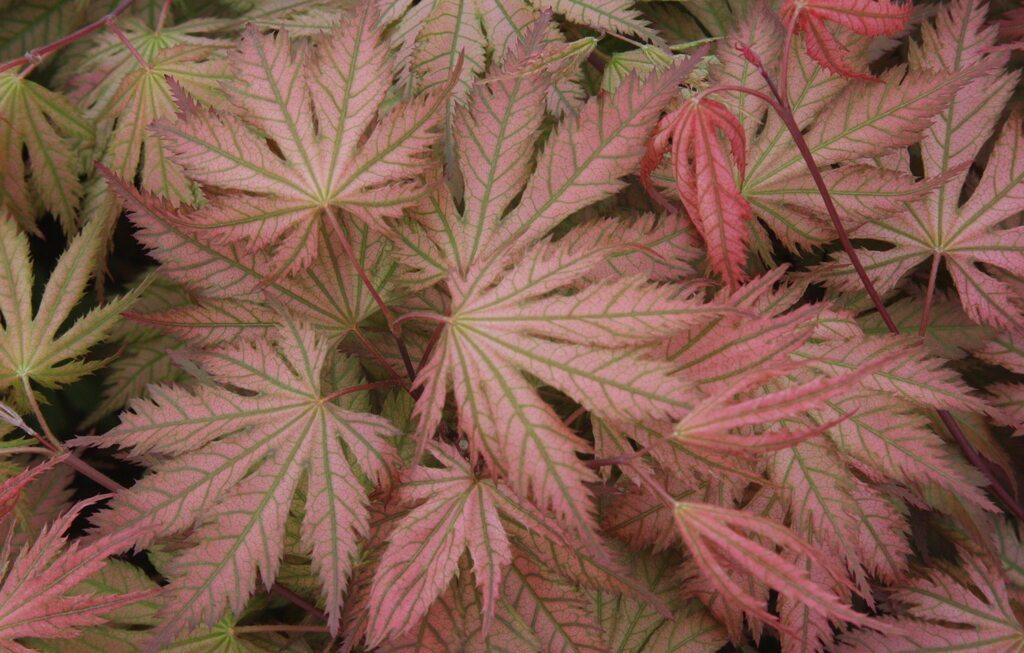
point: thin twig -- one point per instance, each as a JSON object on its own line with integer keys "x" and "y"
{"x": 950, "y": 422}
{"x": 787, "y": 49}
{"x": 35, "y": 55}
{"x": 393, "y": 327}
{"x": 377, "y": 354}
{"x": 87, "y": 470}
{"x": 51, "y": 442}
{"x": 127, "y": 42}
{"x": 48, "y": 439}
{"x": 165, "y": 10}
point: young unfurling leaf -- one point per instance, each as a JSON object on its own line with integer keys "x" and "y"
{"x": 705, "y": 178}
{"x": 463, "y": 328}
{"x": 866, "y": 17}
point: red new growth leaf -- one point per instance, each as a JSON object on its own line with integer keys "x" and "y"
{"x": 706, "y": 179}
{"x": 867, "y": 17}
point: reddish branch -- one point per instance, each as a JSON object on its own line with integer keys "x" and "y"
{"x": 782, "y": 108}
{"x": 35, "y": 55}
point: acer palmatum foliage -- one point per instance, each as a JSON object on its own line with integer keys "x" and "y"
{"x": 811, "y": 19}
{"x": 511, "y": 325}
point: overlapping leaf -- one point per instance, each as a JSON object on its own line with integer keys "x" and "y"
{"x": 506, "y": 321}
{"x": 35, "y": 593}
{"x": 234, "y": 458}
{"x": 431, "y": 36}
{"x": 49, "y": 127}
{"x": 970, "y": 237}
{"x": 320, "y": 112}
{"x": 846, "y": 121}
{"x": 867, "y": 17}
{"x": 965, "y": 609}
{"x": 38, "y": 345}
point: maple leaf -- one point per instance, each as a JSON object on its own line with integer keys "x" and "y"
{"x": 144, "y": 353}
{"x": 967, "y": 236}
{"x": 35, "y": 345}
{"x": 11, "y": 488}
{"x": 705, "y": 178}
{"x": 867, "y": 17}
{"x": 720, "y": 538}
{"x": 967, "y": 608}
{"x": 233, "y": 464}
{"x": 845, "y": 121}
{"x": 233, "y": 285}
{"x": 128, "y": 627}
{"x": 633, "y": 626}
{"x": 431, "y": 36}
{"x": 50, "y": 128}
{"x": 34, "y": 592}
{"x": 505, "y": 319}
{"x": 321, "y": 113}
{"x": 455, "y": 512}
{"x": 455, "y": 623}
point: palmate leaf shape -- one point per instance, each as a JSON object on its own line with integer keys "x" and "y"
{"x": 705, "y": 180}
{"x": 35, "y": 593}
{"x": 232, "y": 286}
{"x": 874, "y": 431}
{"x": 146, "y": 96}
{"x": 95, "y": 75}
{"x": 37, "y": 345}
{"x": 125, "y": 98}
{"x": 455, "y": 511}
{"x": 320, "y": 111}
{"x": 234, "y": 460}
{"x": 632, "y": 626}
{"x": 866, "y": 17}
{"x": 537, "y": 611}
{"x": 48, "y": 127}
{"x": 969, "y": 237}
{"x": 949, "y": 609}
{"x": 505, "y": 318}
{"x": 127, "y": 628}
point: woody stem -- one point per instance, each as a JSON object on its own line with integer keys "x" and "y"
{"x": 784, "y": 111}
{"x": 35, "y": 55}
